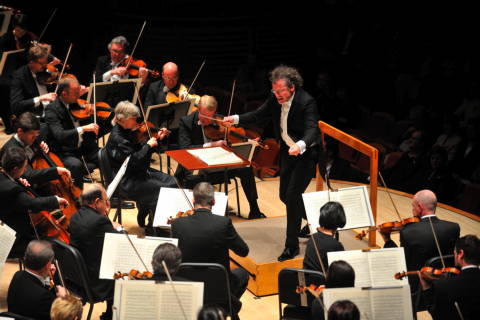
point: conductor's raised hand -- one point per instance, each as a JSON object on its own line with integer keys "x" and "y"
{"x": 229, "y": 121}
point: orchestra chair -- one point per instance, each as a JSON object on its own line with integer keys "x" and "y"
{"x": 216, "y": 176}
{"x": 298, "y": 304}
{"x": 11, "y": 315}
{"x": 74, "y": 272}
{"x": 107, "y": 177}
{"x": 216, "y": 290}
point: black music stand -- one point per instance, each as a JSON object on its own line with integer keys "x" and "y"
{"x": 112, "y": 92}
{"x": 11, "y": 61}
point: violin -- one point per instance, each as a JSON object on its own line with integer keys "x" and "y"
{"x": 145, "y": 130}
{"x": 182, "y": 94}
{"x": 133, "y": 67}
{"x": 316, "y": 291}
{"x": 429, "y": 273}
{"x": 388, "y": 227}
{"x": 86, "y": 110}
{"x": 180, "y": 214}
{"x": 134, "y": 274}
{"x": 51, "y": 75}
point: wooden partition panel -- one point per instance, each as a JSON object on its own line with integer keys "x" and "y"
{"x": 367, "y": 150}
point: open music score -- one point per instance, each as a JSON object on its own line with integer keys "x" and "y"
{"x": 215, "y": 156}
{"x": 171, "y": 200}
{"x": 190, "y": 162}
{"x": 373, "y": 268}
{"x": 139, "y": 300}
{"x": 388, "y": 303}
{"x": 118, "y": 254}
{"x": 355, "y": 202}
{"x": 7, "y": 238}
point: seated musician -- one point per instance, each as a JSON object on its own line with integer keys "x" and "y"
{"x": 87, "y": 232}
{"x": 441, "y": 295}
{"x": 71, "y": 139}
{"x": 17, "y": 203}
{"x": 343, "y": 309}
{"x": 332, "y": 217}
{"x": 168, "y": 89}
{"x": 66, "y": 308}
{"x": 418, "y": 240}
{"x": 191, "y": 134}
{"x": 30, "y": 293}
{"x": 27, "y": 131}
{"x": 140, "y": 182}
{"x": 172, "y": 256}
{"x": 26, "y": 93}
{"x": 205, "y": 237}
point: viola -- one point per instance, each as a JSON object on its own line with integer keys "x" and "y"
{"x": 133, "y": 67}
{"x": 429, "y": 273}
{"x": 182, "y": 94}
{"x": 388, "y": 227}
{"x": 103, "y": 110}
{"x": 134, "y": 274}
{"x": 142, "y": 133}
{"x": 180, "y": 214}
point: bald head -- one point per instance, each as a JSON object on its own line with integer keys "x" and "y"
{"x": 91, "y": 192}
{"x": 170, "y": 74}
{"x": 424, "y": 203}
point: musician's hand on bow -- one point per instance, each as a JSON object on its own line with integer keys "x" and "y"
{"x": 24, "y": 182}
{"x": 62, "y": 203}
{"x": 44, "y": 147}
{"x": 162, "y": 133}
{"x": 119, "y": 71}
{"x": 228, "y": 121}
{"x": 294, "y": 150}
{"x": 219, "y": 143}
{"x": 63, "y": 172}
{"x": 152, "y": 142}
{"x": 61, "y": 292}
{"x": 92, "y": 127}
{"x": 49, "y": 97}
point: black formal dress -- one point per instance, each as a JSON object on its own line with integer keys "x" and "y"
{"x": 28, "y": 296}
{"x": 87, "y": 231}
{"x": 68, "y": 144}
{"x": 296, "y": 172}
{"x": 205, "y": 237}
{"x": 16, "y": 203}
{"x": 190, "y": 135}
{"x": 418, "y": 243}
{"x": 325, "y": 243}
{"x": 140, "y": 182}
{"x": 462, "y": 289}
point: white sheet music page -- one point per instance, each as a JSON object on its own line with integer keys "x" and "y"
{"x": 215, "y": 156}
{"x": 172, "y": 200}
{"x": 114, "y": 184}
{"x": 355, "y": 202}
{"x": 359, "y": 262}
{"x": 139, "y": 300}
{"x": 7, "y": 238}
{"x": 118, "y": 254}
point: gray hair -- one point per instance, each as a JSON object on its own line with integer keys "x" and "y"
{"x": 120, "y": 40}
{"x": 289, "y": 74}
{"x": 126, "y": 109}
{"x": 204, "y": 194}
{"x": 209, "y": 102}
{"x": 169, "y": 253}
{"x": 38, "y": 254}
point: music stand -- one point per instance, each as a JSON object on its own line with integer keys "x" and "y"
{"x": 5, "y": 17}
{"x": 155, "y": 113}
{"x": 11, "y": 61}
{"x": 112, "y": 92}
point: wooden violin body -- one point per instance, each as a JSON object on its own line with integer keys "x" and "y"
{"x": 429, "y": 273}
{"x": 103, "y": 110}
{"x": 133, "y": 67}
{"x": 182, "y": 94}
{"x": 133, "y": 275}
{"x": 179, "y": 215}
{"x": 388, "y": 227}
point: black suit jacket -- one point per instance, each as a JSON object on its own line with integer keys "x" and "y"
{"x": 28, "y": 297}
{"x": 22, "y": 91}
{"x": 103, "y": 65}
{"x": 87, "y": 232}
{"x": 205, "y": 237}
{"x": 462, "y": 289}
{"x": 302, "y": 119}
{"x": 419, "y": 244}
{"x": 325, "y": 243}
{"x": 33, "y": 176}
{"x": 190, "y": 134}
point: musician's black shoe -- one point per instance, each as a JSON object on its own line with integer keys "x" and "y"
{"x": 141, "y": 215}
{"x": 256, "y": 215}
{"x": 288, "y": 253}
{"x": 304, "y": 233}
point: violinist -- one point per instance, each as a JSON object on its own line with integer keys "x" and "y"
{"x": 205, "y": 237}
{"x": 70, "y": 138}
{"x": 417, "y": 238}
{"x": 30, "y": 293}
{"x": 191, "y": 134}
{"x": 441, "y": 295}
{"x": 26, "y": 93}
{"x": 140, "y": 182}
{"x": 87, "y": 232}
{"x": 17, "y": 203}
{"x": 172, "y": 256}
{"x": 332, "y": 217}
{"x": 27, "y": 131}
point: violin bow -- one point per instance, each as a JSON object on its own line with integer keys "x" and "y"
{"x": 436, "y": 242}
{"x": 46, "y": 26}
{"x": 179, "y": 187}
{"x": 142, "y": 111}
{"x": 130, "y": 57}
{"x": 164, "y": 265}
{"x": 317, "y": 251}
{"x": 94, "y": 99}
{"x": 86, "y": 167}
{"x": 63, "y": 67}
{"x": 230, "y": 106}
{"x": 389, "y": 195}
{"x": 457, "y": 307}
{"x": 194, "y": 79}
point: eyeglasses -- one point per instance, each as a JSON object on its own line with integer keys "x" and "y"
{"x": 279, "y": 91}
{"x": 170, "y": 78}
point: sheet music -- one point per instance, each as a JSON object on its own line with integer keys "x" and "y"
{"x": 374, "y": 268}
{"x": 215, "y": 156}
{"x": 390, "y": 303}
{"x": 114, "y": 184}
{"x": 7, "y": 238}
{"x": 171, "y": 201}
{"x": 118, "y": 254}
{"x": 355, "y": 202}
{"x": 138, "y": 300}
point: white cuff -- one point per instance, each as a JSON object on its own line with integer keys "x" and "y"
{"x": 36, "y": 101}
{"x": 208, "y": 144}
{"x": 106, "y": 76}
{"x": 236, "y": 119}
{"x": 302, "y": 146}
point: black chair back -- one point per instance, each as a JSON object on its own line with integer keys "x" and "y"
{"x": 436, "y": 262}
{"x": 105, "y": 167}
{"x": 216, "y": 290}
